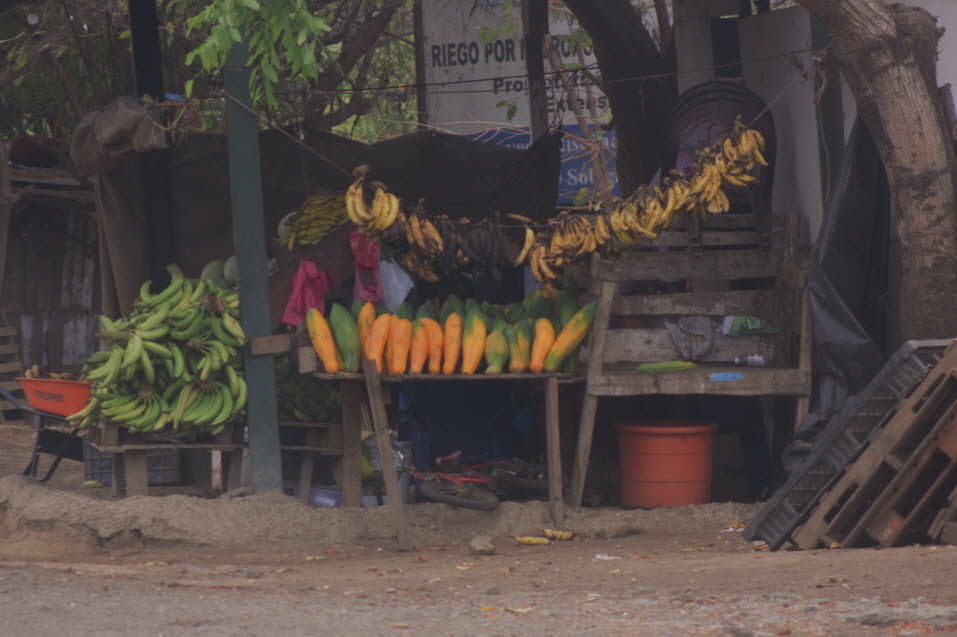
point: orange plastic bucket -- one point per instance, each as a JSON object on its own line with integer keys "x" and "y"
{"x": 665, "y": 463}
{"x": 62, "y": 397}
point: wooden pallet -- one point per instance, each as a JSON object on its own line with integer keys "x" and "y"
{"x": 944, "y": 526}
{"x": 11, "y": 367}
{"x": 905, "y": 509}
{"x": 837, "y": 518}
{"x": 129, "y": 454}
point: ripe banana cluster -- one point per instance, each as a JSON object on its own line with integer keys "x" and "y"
{"x": 639, "y": 217}
{"x": 646, "y": 212}
{"x": 372, "y": 220}
{"x": 316, "y": 217}
{"x": 728, "y": 163}
{"x": 34, "y": 372}
{"x": 172, "y": 363}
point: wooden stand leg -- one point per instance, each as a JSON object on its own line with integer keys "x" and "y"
{"x": 351, "y": 394}
{"x": 304, "y": 489}
{"x": 137, "y": 477}
{"x": 119, "y": 474}
{"x": 232, "y": 469}
{"x": 556, "y": 507}
{"x": 596, "y": 357}
{"x": 386, "y": 453}
{"x": 586, "y": 427}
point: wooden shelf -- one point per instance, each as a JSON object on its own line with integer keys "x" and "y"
{"x": 425, "y": 378}
{"x": 307, "y": 425}
{"x": 146, "y": 446}
{"x": 743, "y": 381}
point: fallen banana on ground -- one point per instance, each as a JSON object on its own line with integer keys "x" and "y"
{"x": 559, "y": 536}
{"x": 532, "y": 539}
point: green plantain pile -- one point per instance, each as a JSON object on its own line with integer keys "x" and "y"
{"x": 304, "y": 398}
{"x": 173, "y": 364}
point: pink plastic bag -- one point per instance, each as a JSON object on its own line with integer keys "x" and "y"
{"x": 365, "y": 256}
{"x": 310, "y": 285}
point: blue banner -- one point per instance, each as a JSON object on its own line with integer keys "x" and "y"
{"x": 577, "y": 174}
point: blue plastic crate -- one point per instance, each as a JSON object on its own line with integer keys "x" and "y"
{"x": 162, "y": 466}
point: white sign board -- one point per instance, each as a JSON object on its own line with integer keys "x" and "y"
{"x": 474, "y": 59}
{"x": 474, "y": 56}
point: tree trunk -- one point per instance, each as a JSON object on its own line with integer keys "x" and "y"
{"x": 887, "y": 54}
{"x": 641, "y": 108}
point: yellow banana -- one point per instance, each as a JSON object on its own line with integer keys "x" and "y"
{"x": 526, "y": 246}
{"x": 561, "y": 536}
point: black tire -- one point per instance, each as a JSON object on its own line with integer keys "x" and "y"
{"x": 466, "y": 496}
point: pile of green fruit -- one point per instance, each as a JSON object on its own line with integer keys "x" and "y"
{"x": 173, "y": 364}
{"x": 303, "y": 397}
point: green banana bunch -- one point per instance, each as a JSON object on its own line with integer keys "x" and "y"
{"x": 173, "y": 363}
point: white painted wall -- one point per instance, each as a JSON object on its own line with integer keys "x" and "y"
{"x": 797, "y": 177}
{"x": 764, "y": 39}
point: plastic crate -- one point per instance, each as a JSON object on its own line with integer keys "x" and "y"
{"x": 162, "y": 466}
{"x": 842, "y": 440}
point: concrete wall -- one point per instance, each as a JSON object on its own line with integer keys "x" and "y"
{"x": 764, "y": 41}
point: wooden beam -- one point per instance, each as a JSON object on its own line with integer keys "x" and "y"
{"x": 681, "y": 266}
{"x": 706, "y": 380}
{"x": 7, "y": 200}
{"x": 743, "y": 302}
{"x": 556, "y": 507}
{"x": 383, "y": 438}
{"x": 274, "y": 344}
{"x": 535, "y": 28}
{"x": 648, "y": 345}
{"x": 586, "y": 423}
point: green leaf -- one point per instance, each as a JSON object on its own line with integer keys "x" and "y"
{"x": 189, "y": 88}
{"x": 512, "y": 109}
{"x": 124, "y": 34}
{"x": 252, "y": 4}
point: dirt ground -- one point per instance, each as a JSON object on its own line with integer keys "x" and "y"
{"x": 75, "y": 560}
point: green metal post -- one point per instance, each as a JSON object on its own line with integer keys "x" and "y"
{"x": 249, "y": 239}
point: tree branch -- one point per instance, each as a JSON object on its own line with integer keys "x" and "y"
{"x": 625, "y": 50}
{"x": 12, "y": 72}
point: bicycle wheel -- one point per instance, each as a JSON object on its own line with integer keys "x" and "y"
{"x": 466, "y": 496}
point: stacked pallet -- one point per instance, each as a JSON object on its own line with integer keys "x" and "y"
{"x": 885, "y": 469}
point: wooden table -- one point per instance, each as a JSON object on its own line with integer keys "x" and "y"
{"x": 350, "y": 390}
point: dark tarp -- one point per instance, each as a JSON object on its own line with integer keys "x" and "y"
{"x": 848, "y": 284}
{"x": 453, "y": 175}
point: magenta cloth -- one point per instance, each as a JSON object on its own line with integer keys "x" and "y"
{"x": 310, "y": 285}
{"x": 365, "y": 256}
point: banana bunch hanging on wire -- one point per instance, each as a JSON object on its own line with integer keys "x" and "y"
{"x": 646, "y": 212}
{"x": 317, "y": 216}
{"x": 173, "y": 363}
{"x": 727, "y": 163}
{"x": 639, "y": 217}
{"x": 375, "y": 219}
